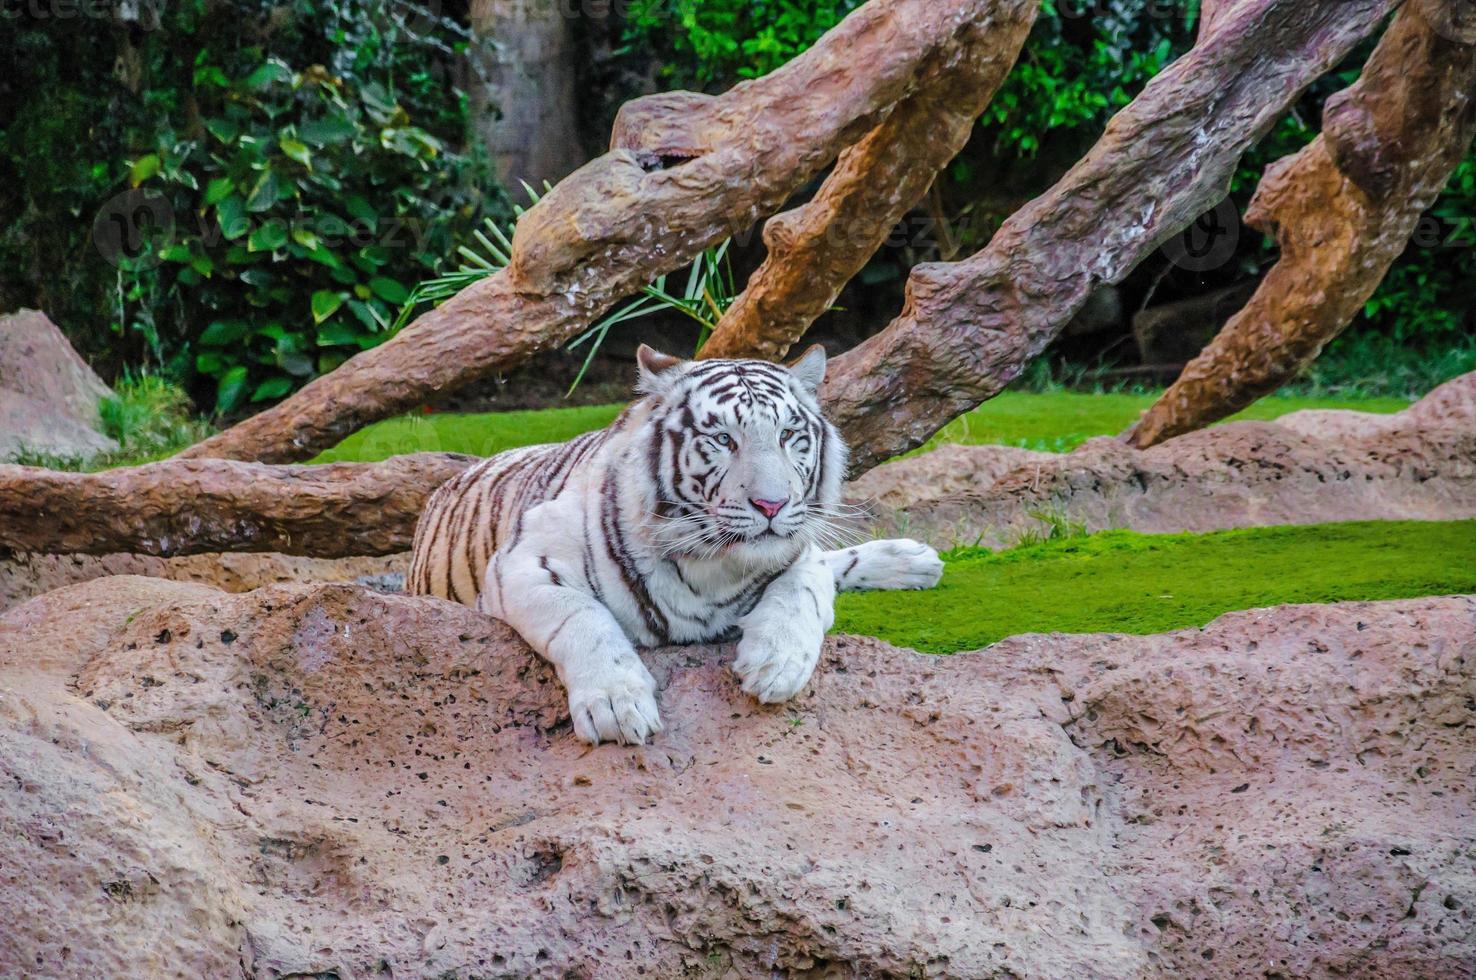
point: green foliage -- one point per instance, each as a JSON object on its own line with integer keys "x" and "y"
{"x": 1082, "y": 63}
{"x": 305, "y": 153}
{"x": 710, "y": 43}
{"x": 1124, "y": 582}
{"x": 150, "y": 418}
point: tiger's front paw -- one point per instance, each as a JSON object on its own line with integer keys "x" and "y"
{"x": 620, "y": 707}
{"x": 775, "y": 664}
{"x": 894, "y": 564}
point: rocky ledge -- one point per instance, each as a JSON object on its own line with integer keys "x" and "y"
{"x": 325, "y": 781}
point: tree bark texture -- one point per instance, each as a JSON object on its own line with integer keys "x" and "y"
{"x": 815, "y": 249}
{"x": 686, "y": 171}
{"x": 524, "y": 102}
{"x": 969, "y": 328}
{"x": 187, "y": 507}
{"x": 1342, "y": 210}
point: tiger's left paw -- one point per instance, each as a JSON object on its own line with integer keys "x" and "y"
{"x": 775, "y": 665}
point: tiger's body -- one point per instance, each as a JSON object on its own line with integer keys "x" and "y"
{"x": 696, "y": 516}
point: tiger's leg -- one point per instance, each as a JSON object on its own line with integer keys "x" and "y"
{"x": 782, "y": 634}
{"x": 899, "y": 563}
{"x": 612, "y": 696}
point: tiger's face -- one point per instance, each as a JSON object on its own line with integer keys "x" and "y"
{"x": 744, "y": 464}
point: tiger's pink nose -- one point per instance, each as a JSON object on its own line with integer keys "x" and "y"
{"x": 769, "y": 508}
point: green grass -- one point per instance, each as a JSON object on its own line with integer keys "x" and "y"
{"x": 477, "y": 434}
{"x": 1125, "y": 582}
{"x": 1053, "y": 422}
{"x": 1059, "y": 421}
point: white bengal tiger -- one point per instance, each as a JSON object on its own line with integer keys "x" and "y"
{"x": 697, "y": 516}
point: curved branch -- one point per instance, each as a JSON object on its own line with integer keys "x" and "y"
{"x": 817, "y": 248}
{"x": 188, "y": 507}
{"x": 1342, "y": 210}
{"x": 968, "y": 329}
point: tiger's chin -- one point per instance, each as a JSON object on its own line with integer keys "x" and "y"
{"x": 767, "y": 549}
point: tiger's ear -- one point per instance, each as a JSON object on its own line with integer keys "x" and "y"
{"x": 656, "y": 368}
{"x": 810, "y": 368}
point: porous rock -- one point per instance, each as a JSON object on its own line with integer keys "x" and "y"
{"x": 321, "y": 780}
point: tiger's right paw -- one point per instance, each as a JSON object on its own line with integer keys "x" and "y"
{"x": 620, "y": 708}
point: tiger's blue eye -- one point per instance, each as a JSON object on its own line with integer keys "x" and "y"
{"x": 724, "y": 440}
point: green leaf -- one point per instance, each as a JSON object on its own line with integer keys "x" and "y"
{"x": 268, "y": 238}
{"x": 322, "y": 132}
{"x": 325, "y": 304}
{"x": 211, "y": 75}
{"x": 296, "y": 150}
{"x": 360, "y": 208}
{"x": 271, "y": 388}
{"x": 218, "y": 190}
{"x": 336, "y": 334}
{"x": 209, "y": 363}
{"x": 298, "y": 365}
{"x": 272, "y": 71}
{"x": 178, "y": 252}
{"x": 231, "y": 213}
{"x": 264, "y": 194}
{"x": 231, "y": 390}
{"x": 223, "y": 332}
{"x": 389, "y": 290}
{"x": 143, "y": 168}
{"x": 224, "y": 130}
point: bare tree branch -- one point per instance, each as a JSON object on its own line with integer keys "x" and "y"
{"x": 1342, "y": 210}
{"x": 970, "y": 328}
{"x": 817, "y": 248}
{"x": 187, "y": 507}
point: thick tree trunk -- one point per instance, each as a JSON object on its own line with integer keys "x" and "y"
{"x": 687, "y": 171}
{"x": 1342, "y": 211}
{"x": 523, "y": 102}
{"x": 816, "y": 249}
{"x": 187, "y": 507}
{"x": 970, "y": 328}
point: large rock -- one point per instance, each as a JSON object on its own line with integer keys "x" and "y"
{"x": 48, "y": 395}
{"x": 324, "y": 781}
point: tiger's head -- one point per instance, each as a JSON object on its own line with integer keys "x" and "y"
{"x": 743, "y": 464}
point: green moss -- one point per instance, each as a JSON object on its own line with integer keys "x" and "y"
{"x": 479, "y": 435}
{"x": 1059, "y": 421}
{"x": 1124, "y": 582}
{"x": 1053, "y": 422}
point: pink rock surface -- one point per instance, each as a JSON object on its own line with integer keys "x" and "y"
{"x": 321, "y": 780}
{"x": 25, "y": 575}
{"x": 48, "y": 394}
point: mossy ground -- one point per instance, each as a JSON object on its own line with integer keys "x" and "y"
{"x": 1053, "y": 422}
{"x": 1125, "y": 582}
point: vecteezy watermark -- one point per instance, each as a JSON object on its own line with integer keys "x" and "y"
{"x": 133, "y": 229}
{"x": 1210, "y": 241}
{"x": 143, "y": 13}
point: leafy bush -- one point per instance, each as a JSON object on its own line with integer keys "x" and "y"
{"x": 283, "y": 172}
